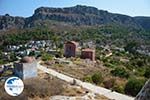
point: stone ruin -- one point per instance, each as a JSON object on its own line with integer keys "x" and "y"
{"x": 26, "y": 68}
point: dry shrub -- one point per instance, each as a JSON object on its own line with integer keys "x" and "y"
{"x": 42, "y": 88}
{"x": 35, "y": 88}
{"x": 73, "y": 91}
{"x": 5, "y": 96}
{"x": 109, "y": 83}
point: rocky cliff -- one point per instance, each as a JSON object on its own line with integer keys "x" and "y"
{"x": 77, "y": 15}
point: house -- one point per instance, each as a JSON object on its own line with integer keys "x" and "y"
{"x": 88, "y": 54}
{"x": 70, "y": 49}
{"x": 26, "y": 68}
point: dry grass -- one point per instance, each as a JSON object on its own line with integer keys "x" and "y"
{"x": 79, "y": 70}
{"x": 100, "y": 97}
{"x": 73, "y": 91}
{"x": 36, "y": 88}
{"x": 5, "y": 96}
{"x": 42, "y": 88}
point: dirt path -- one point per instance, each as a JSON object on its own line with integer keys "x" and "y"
{"x": 89, "y": 86}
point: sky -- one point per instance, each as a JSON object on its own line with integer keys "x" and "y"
{"x": 26, "y": 8}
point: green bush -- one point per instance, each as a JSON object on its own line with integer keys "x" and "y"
{"x": 120, "y": 72}
{"x": 139, "y": 71}
{"x": 107, "y": 64}
{"x": 32, "y": 53}
{"x": 46, "y": 57}
{"x": 97, "y": 78}
{"x": 147, "y": 73}
{"x": 88, "y": 79}
{"x": 119, "y": 88}
{"x": 2, "y": 61}
{"x": 133, "y": 86}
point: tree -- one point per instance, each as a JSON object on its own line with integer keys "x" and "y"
{"x": 147, "y": 73}
{"x": 12, "y": 57}
{"x": 134, "y": 86}
{"x": 56, "y": 40}
{"x": 120, "y": 72}
{"x": 87, "y": 79}
{"x": 46, "y": 57}
{"x": 32, "y": 53}
{"x": 97, "y": 78}
{"x": 131, "y": 47}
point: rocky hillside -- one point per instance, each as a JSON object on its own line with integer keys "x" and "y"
{"x": 143, "y": 21}
{"x": 77, "y": 15}
{"x": 9, "y": 22}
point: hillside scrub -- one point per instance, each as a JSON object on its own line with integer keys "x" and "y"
{"x": 97, "y": 78}
{"x": 147, "y": 72}
{"x": 133, "y": 86}
{"x": 35, "y": 88}
{"x": 46, "y": 57}
{"x": 120, "y": 72}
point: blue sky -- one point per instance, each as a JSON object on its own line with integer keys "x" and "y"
{"x": 26, "y": 7}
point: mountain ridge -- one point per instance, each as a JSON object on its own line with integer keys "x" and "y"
{"x": 77, "y": 15}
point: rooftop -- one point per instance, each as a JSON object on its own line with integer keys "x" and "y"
{"x": 88, "y": 50}
{"x": 73, "y": 42}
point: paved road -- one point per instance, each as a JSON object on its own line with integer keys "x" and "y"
{"x": 89, "y": 86}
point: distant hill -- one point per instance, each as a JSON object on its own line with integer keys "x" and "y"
{"x": 143, "y": 21}
{"x": 77, "y": 15}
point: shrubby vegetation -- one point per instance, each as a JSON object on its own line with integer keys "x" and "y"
{"x": 118, "y": 35}
{"x": 130, "y": 39}
{"x": 119, "y": 88}
{"x": 133, "y": 86}
{"x": 147, "y": 73}
{"x": 120, "y": 72}
{"x": 88, "y": 79}
{"x": 35, "y": 88}
{"x": 25, "y": 36}
{"x": 46, "y": 56}
{"x": 109, "y": 83}
{"x": 97, "y": 78}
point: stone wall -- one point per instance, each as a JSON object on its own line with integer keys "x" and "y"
{"x": 25, "y": 70}
{"x": 30, "y": 70}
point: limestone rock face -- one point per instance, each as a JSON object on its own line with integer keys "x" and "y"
{"x": 10, "y": 22}
{"x": 77, "y": 15}
{"x": 144, "y": 94}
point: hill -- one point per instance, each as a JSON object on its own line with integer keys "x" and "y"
{"x": 77, "y": 15}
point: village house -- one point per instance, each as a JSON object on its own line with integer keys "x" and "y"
{"x": 70, "y": 49}
{"x": 26, "y": 68}
{"x": 88, "y": 54}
